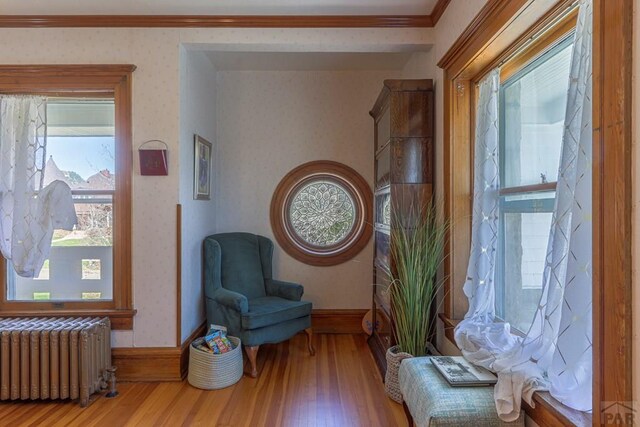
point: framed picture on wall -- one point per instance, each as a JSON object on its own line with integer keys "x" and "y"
{"x": 202, "y": 169}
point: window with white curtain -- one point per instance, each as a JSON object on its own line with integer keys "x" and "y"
{"x": 531, "y": 124}
{"x": 80, "y": 151}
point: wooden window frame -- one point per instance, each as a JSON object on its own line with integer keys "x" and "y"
{"x": 345, "y": 176}
{"x": 500, "y": 31}
{"x": 86, "y": 81}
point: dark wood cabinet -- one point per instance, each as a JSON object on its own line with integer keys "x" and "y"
{"x": 404, "y": 177}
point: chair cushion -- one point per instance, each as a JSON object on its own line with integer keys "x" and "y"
{"x": 433, "y": 402}
{"x": 275, "y": 333}
{"x": 241, "y": 264}
{"x": 267, "y": 311}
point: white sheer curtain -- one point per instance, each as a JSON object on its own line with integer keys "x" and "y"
{"x": 556, "y": 353}
{"x": 28, "y": 213}
{"x": 478, "y": 336}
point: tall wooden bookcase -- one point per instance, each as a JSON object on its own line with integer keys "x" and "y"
{"x": 404, "y": 177}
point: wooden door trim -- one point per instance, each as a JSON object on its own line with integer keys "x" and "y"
{"x": 612, "y": 207}
{"x": 178, "y": 274}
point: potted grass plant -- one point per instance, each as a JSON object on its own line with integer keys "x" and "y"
{"x": 417, "y": 251}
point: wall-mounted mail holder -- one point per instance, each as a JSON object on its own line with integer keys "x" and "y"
{"x": 153, "y": 161}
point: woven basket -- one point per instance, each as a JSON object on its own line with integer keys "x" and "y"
{"x": 213, "y": 371}
{"x": 391, "y": 383}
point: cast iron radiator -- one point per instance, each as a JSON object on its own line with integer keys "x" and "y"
{"x": 54, "y": 358}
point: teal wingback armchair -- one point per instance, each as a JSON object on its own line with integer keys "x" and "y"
{"x": 242, "y": 295}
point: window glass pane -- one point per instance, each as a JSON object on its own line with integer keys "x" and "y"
{"x": 322, "y": 213}
{"x": 533, "y": 106}
{"x": 81, "y": 152}
{"x": 383, "y": 162}
{"x": 524, "y": 254}
{"x": 91, "y": 269}
{"x": 384, "y": 129}
{"x": 383, "y": 209}
{"x": 532, "y": 112}
{"x": 525, "y": 222}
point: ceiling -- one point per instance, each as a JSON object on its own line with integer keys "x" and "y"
{"x": 218, "y": 7}
{"x": 307, "y": 61}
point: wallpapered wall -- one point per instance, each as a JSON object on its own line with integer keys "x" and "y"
{"x": 273, "y": 121}
{"x": 453, "y": 22}
{"x": 457, "y": 16}
{"x": 197, "y": 116}
{"x": 156, "y": 115}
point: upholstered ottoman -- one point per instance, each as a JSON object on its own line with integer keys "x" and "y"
{"x": 433, "y": 402}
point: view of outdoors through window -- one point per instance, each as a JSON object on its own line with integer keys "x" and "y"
{"x": 532, "y": 112}
{"x": 81, "y": 152}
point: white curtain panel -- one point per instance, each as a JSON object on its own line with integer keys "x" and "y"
{"x": 556, "y": 354}
{"x": 28, "y": 213}
{"x": 480, "y": 338}
{"x": 571, "y": 368}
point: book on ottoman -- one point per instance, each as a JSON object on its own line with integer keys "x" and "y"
{"x": 459, "y": 372}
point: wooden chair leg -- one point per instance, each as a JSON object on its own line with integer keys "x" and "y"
{"x": 312, "y": 351}
{"x": 252, "y": 353}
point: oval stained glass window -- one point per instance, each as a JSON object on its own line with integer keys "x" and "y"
{"x": 321, "y": 213}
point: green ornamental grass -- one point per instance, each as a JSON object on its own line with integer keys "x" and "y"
{"x": 417, "y": 248}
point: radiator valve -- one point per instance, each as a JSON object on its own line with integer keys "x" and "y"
{"x": 112, "y": 382}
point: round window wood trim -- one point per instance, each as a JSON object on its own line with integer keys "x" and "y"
{"x": 349, "y": 180}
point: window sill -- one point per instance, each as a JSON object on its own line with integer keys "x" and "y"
{"x": 120, "y": 319}
{"x": 547, "y": 411}
{"x": 449, "y": 326}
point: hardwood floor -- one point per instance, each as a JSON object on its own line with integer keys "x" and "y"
{"x": 340, "y": 386}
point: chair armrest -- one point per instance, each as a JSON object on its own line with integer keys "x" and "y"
{"x": 231, "y": 300}
{"x": 286, "y": 290}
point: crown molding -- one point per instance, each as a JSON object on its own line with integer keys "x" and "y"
{"x": 222, "y": 21}
{"x": 491, "y": 17}
{"x": 438, "y": 10}
{"x": 58, "y": 70}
